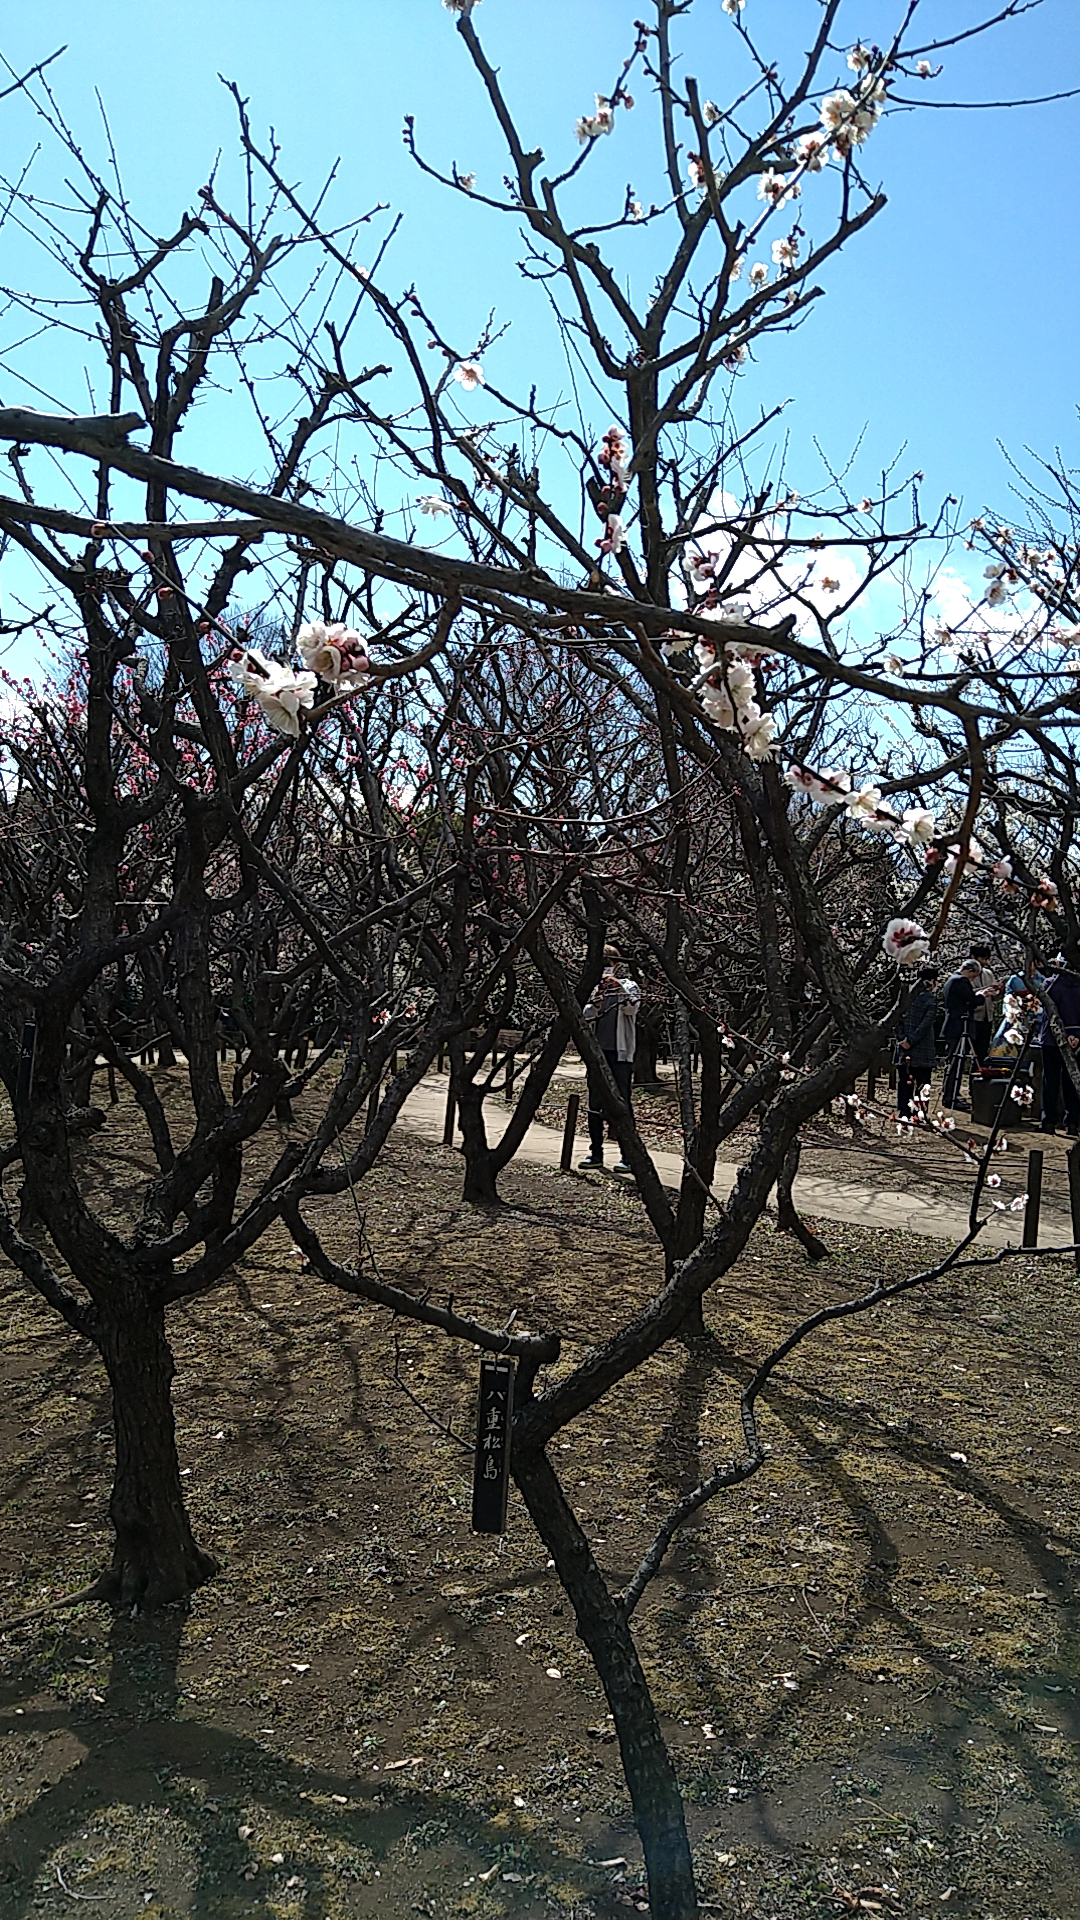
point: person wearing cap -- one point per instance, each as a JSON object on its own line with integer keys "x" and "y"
{"x": 961, "y": 1001}
{"x": 989, "y": 987}
{"x": 1063, "y": 992}
{"x": 916, "y": 1050}
{"x": 611, "y": 1011}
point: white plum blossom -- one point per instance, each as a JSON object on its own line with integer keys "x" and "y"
{"x": 812, "y": 151}
{"x": 280, "y": 692}
{"x": 718, "y": 706}
{"x": 785, "y": 251}
{"x": 613, "y": 539}
{"x": 924, "y": 69}
{"x": 917, "y": 827}
{"x": 759, "y": 273}
{"x": 973, "y": 856}
{"x": 469, "y": 375}
{"x": 822, "y": 788}
{"x": 432, "y": 504}
{"x": 905, "y": 942}
{"x": 614, "y": 454}
{"x": 740, "y": 682}
{"x": 734, "y": 7}
{"x": 710, "y": 113}
{"x": 866, "y": 809}
{"x": 995, "y": 593}
{"x": 849, "y": 120}
{"x": 695, "y": 172}
{"x": 776, "y": 189}
{"x": 836, "y": 109}
{"x": 637, "y": 211}
{"x": 758, "y": 734}
{"x": 859, "y": 58}
{"x": 1002, "y": 870}
{"x": 336, "y": 653}
{"x": 467, "y": 181}
{"x": 863, "y": 805}
{"x": 592, "y": 125}
{"x": 460, "y": 6}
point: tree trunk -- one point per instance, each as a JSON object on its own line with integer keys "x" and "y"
{"x": 650, "y": 1776}
{"x": 480, "y": 1189}
{"x": 788, "y": 1218}
{"x": 155, "y": 1560}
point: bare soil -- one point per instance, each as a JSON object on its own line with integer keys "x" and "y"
{"x": 866, "y": 1658}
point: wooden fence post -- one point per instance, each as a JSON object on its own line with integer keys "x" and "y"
{"x": 569, "y": 1132}
{"x": 1074, "y": 1196}
{"x": 1034, "y": 1198}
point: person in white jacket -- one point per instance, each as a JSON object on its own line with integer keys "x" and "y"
{"x": 611, "y": 1011}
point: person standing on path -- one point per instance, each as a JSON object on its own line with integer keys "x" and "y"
{"x": 1064, "y": 992}
{"x": 916, "y": 1055}
{"x": 611, "y": 1011}
{"x": 961, "y": 1000}
{"x": 989, "y": 986}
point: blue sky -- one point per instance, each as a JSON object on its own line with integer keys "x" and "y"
{"x": 949, "y": 325}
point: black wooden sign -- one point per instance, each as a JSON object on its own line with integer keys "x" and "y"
{"x": 26, "y": 1064}
{"x": 491, "y": 1470}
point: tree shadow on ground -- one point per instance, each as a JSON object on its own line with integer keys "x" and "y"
{"x": 794, "y": 1404}
{"x": 136, "y": 1751}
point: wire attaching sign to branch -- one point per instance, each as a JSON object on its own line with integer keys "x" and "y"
{"x": 491, "y": 1467}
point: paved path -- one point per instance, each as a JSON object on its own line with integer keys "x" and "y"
{"x": 825, "y": 1199}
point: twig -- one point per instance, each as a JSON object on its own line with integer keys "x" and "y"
{"x": 92, "y": 1592}
{"x": 73, "y": 1892}
{"x": 824, "y": 1631}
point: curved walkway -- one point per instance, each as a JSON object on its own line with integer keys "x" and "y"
{"x": 925, "y": 1215}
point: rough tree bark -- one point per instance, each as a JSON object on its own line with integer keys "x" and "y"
{"x": 650, "y": 1776}
{"x": 156, "y": 1561}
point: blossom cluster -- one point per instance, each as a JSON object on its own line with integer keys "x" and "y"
{"x": 591, "y": 125}
{"x": 280, "y": 691}
{"x": 916, "y": 828}
{"x": 848, "y": 118}
{"x": 336, "y": 653}
{"x": 613, "y": 457}
{"x": 727, "y": 689}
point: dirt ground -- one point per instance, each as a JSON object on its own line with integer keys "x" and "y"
{"x": 866, "y": 1658}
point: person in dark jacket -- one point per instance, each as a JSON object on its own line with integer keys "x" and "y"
{"x": 961, "y": 1002}
{"x": 1064, "y": 991}
{"x": 916, "y": 1045}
